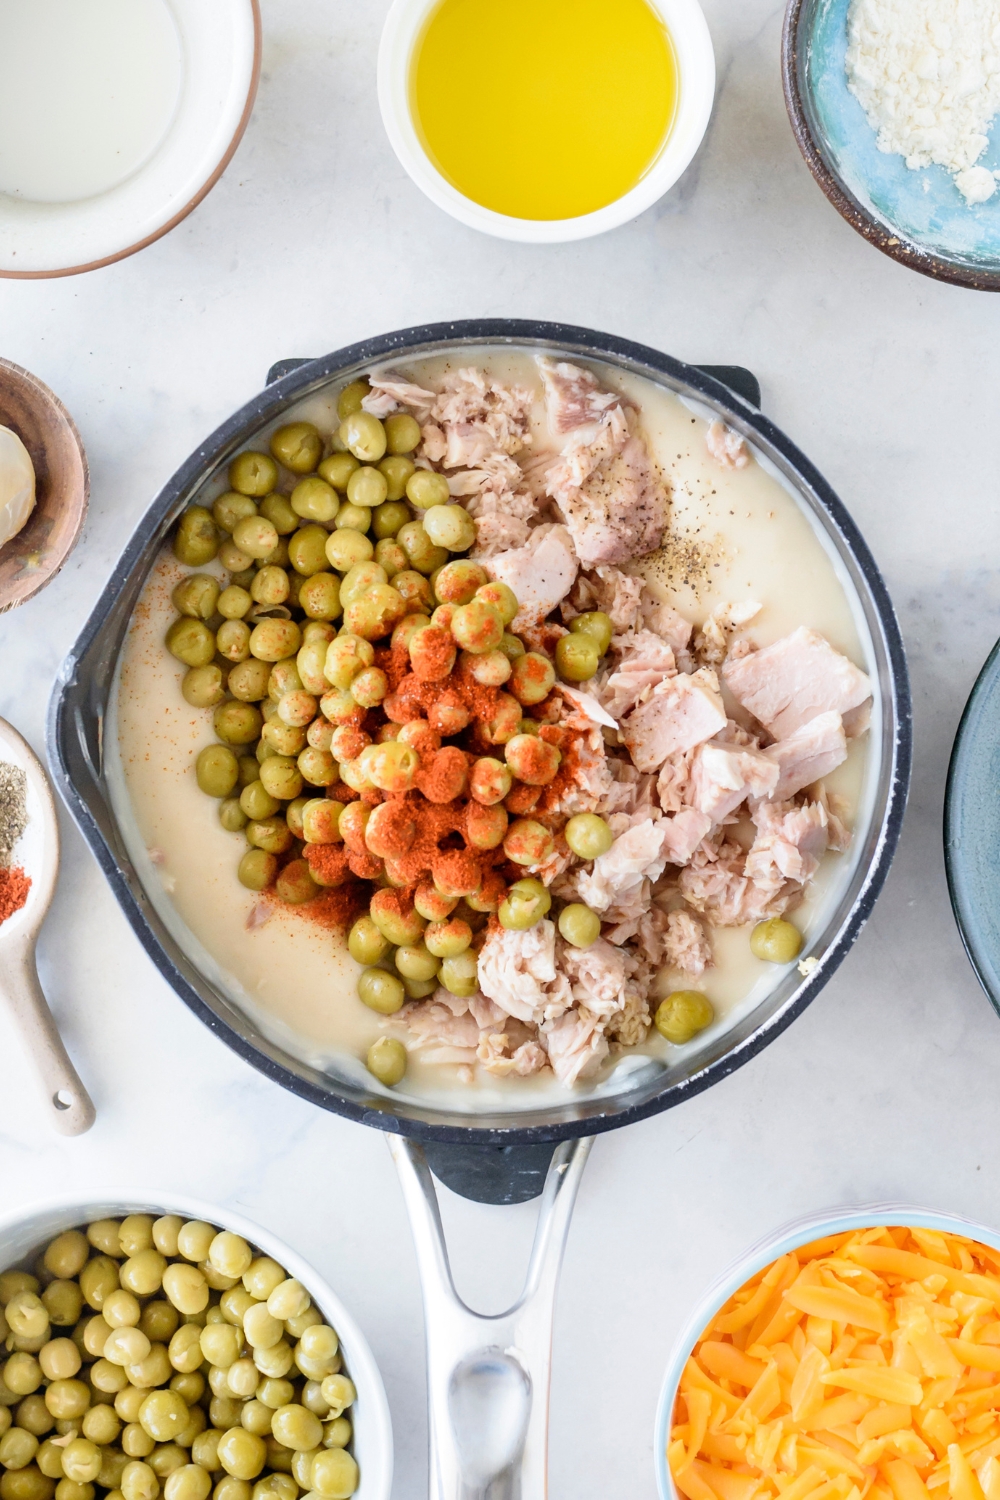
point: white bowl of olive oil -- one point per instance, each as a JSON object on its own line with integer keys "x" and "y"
{"x": 545, "y": 120}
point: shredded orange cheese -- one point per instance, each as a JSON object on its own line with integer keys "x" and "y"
{"x": 864, "y": 1362}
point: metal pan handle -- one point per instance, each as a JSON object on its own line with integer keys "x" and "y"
{"x": 488, "y": 1376}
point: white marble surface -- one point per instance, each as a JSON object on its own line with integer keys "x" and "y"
{"x": 887, "y": 1087}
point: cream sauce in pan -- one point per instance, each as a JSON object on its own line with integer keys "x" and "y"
{"x": 736, "y": 535}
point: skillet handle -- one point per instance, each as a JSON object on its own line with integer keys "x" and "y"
{"x": 488, "y": 1376}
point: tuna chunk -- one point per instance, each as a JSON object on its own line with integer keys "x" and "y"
{"x": 726, "y": 446}
{"x": 540, "y": 573}
{"x": 644, "y": 660}
{"x": 668, "y": 623}
{"x": 391, "y": 390}
{"x": 434, "y": 1024}
{"x": 682, "y": 712}
{"x": 597, "y": 975}
{"x": 473, "y": 417}
{"x": 809, "y": 753}
{"x": 723, "y": 776}
{"x": 573, "y": 397}
{"x": 716, "y": 883}
{"x": 618, "y": 594}
{"x": 576, "y": 1046}
{"x": 608, "y": 493}
{"x": 788, "y": 683}
{"x": 790, "y": 842}
{"x": 711, "y": 644}
{"x": 517, "y": 970}
{"x": 673, "y": 781}
{"x": 635, "y": 856}
{"x": 686, "y": 945}
{"x": 503, "y": 518}
{"x": 683, "y": 833}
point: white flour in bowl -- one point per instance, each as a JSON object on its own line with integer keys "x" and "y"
{"x": 927, "y": 74}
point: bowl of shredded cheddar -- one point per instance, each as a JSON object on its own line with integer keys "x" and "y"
{"x": 854, "y": 1353}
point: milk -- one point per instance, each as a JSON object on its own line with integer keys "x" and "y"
{"x": 88, "y": 90}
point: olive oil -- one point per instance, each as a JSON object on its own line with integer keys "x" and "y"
{"x": 543, "y": 109}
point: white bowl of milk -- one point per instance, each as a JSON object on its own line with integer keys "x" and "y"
{"x": 116, "y": 118}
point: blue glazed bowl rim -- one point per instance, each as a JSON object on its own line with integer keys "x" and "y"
{"x": 891, "y": 241}
{"x": 789, "y": 1237}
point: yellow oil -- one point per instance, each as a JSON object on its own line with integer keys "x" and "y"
{"x": 543, "y": 109}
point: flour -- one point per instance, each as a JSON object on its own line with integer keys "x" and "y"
{"x": 927, "y": 74}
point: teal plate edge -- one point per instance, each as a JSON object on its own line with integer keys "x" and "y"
{"x": 972, "y": 827}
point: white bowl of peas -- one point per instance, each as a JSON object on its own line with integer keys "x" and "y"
{"x": 178, "y": 1352}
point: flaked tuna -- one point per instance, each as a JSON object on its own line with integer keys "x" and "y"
{"x": 635, "y": 856}
{"x": 576, "y": 1046}
{"x": 390, "y": 391}
{"x": 682, "y": 712}
{"x": 517, "y": 970}
{"x": 788, "y": 683}
{"x": 608, "y": 492}
{"x": 541, "y": 573}
{"x": 711, "y": 644}
{"x": 716, "y": 884}
{"x": 618, "y": 594}
{"x": 683, "y": 833}
{"x": 790, "y": 842}
{"x": 809, "y": 753}
{"x": 727, "y": 447}
{"x": 573, "y": 397}
{"x": 723, "y": 776}
{"x": 643, "y": 660}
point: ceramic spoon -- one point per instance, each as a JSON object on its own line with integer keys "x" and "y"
{"x": 37, "y": 853}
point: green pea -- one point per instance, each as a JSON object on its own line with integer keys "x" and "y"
{"x": 196, "y": 540}
{"x": 257, "y": 870}
{"x": 532, "y": 679}
{"x": 390, "y": 556}
{"x": 450, "y": 526}
{"x": 203, "y": 687}
{"x": 239, "y": 564}
{"x": 419, "y": 989}
{"x": 276, "y": 558}
{"x": 527, "y": 902}
{"x": 248, "y": 680}
{"x": 460, "y": 975}
{"x": 255, "y": 536}
{"x": 273, "y": 640}
{"x": 253, "y": 474}
{"x": 397, "y": 470}
{"x": 424, "y": 488}
{"x": 387, "y": 1060}
{"x": 191, "y": 642}
{"x": 345, "y": 548}
{"x": 298, "y": 446}
{"x": 217, "y": 770}
{"x": 273, "y": 835}
{"x": 402, "y": 432}
{"x": 682, "y": 1015}
{"x": 278, "y": 510}
{"x": 776, "y": 941}
{"x": 364, "y": 436}
{"x": 359, "y": 579}
{"x": 232, "y": 640}
{"x": 353, "y": 518}
{"x": 579, "y": 925}
{"x": 307, "y": 550}
{"x": 577, "y": 657}
{"x": 381, "y": 991}
{"x": 596, "y": 624}
{"x": 231, "y": 815}
{"x": 231, "y": 507}
{"x": 337, "y": 469}
{"x": 281, "y": 778}
{"x": 249, "y": 769}
{"x": 350, "y": 399}
{"x": 388, "y": 518}
{"x": 257, "y": 803}
{"x": 320, "y": 596}
{"x": 421, "y": 551}
{"x": 270, "y": 587}
{"x": 445, "y": 940}
{"x": 376, "y": 613}
{"x": 512, "y": 646}
{"x": 502, "y": 597}
{"x": 588, "y": 835}
{"x": 415, "y": 961}
{"x": 315, "y": 500}
{"x": 237, "y": 723}
{"x": 345, "y": 658}
{"x": 365, "y": 943}
{"x": 367, "y": 487}
{"x": 196, "y": 596}
{"x": 234, "y": 603}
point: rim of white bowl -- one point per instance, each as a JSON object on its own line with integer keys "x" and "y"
{"x": 696, "y": 95}
{"x": 151, "y": 224}
{"x": 789, "y": 1237}
{"x": 26, "y": 1227}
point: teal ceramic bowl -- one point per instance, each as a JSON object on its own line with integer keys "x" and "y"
{"x": 972, "y": 827}
{"x": 917, "y": 217}
{"x": 801, "y": 1232}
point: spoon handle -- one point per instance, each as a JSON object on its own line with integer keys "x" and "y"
{"x": 70, "y": 1108}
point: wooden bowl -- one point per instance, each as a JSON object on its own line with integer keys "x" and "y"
{"x": 62, "y": 485}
